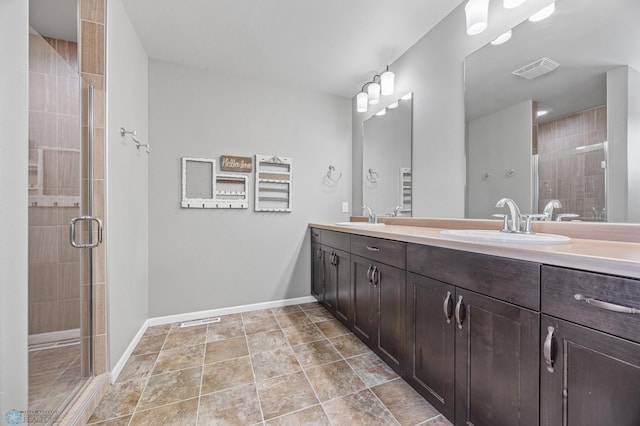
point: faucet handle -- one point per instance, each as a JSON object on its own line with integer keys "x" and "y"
{"x": 566, "y": 215}
{"x": 528, "y": 218}
{"x": 505, "y": 221}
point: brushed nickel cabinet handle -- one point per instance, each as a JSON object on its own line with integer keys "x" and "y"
{"x": 375, "y": 276}
{"x": 548, "y": 349}
{"x": 314, "y": 234}
{"x": 319, "y": 253}
{"x": 447, "y": 307}
{"x": 370, "y": 248}
{"x": 369, "y": 278}
{"x": 459, "y": 312}
{"x": 607, "y": 306}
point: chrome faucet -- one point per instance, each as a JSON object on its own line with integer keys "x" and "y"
{"x": 514, "y": 213}
{"x": 548, "y": 208}
{"x": 397, "y": 211}
{"x": 372, "y": 217}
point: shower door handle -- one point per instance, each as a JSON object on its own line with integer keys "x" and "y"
{"x": 72, "y": 231}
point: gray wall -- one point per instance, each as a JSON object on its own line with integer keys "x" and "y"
{"x": 206, "y": 258}
{"x": 433, "y": 70}
{"x": 14, "y": 125}
{"x": 498, "y": 142}
{"x": 127, "y": 182}
{"x": 623, "y": 134}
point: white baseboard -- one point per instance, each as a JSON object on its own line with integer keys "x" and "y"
{"x": 54, "y": 336}
{"x": 117, "y": 369}
{"x": 169, "y": 319}
{"x": 190, "y": 316}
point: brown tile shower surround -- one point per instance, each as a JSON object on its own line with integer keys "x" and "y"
{"x": 283, "y": 366}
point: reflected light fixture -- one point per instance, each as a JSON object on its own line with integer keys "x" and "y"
{"x": 386, "y": 82}
{"x": 542, "y": 112}
{"x": 393, "y": 105}
{"x": 477, "y": 13}
{"x": 383, "y": 111}
{"x": 407, "y": 96}
{"x": 544, "y": 13}
{"x": 502, "y": 38}
{"x": 511, "y": 4}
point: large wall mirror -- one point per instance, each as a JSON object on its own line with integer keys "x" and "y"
{"x": 386, "y": 159}
{"x": 571, "y": 133}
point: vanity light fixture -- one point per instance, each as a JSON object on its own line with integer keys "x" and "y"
{"x": 386, "y": 82}
{"x": 373, "y": 91}
{"x": 544, "y": 13}
{"x": 542, "y": 112}
{"x": 383, "y": 111}
{"x": 393, "y": 105}
{"x": 502, "y": 38}
{"x": 380, "y": 85}
{"x": 512, "y": 4}
{"x": 362, "y": 99}
{"x": 407, "y": 96}
{"x": 477, "y": 14}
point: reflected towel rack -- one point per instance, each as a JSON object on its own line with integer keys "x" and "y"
{"x": 330, "y": 175}
{"x": 124, "y": 132}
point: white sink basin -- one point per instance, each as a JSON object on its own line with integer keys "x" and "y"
{"x": 371, "y": 225}
{"x": 504, "y": 237}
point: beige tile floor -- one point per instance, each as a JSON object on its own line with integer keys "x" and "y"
{"x": 54, "y": 377}
{"x": 285, "y": 366}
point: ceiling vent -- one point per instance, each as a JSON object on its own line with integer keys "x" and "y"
{"x": 537, "y": 68}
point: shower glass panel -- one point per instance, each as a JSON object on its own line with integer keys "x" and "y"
{"x": 60, "y": 288}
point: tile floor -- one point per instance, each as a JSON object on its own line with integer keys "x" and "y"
{"x": 54, "y": 377}
{"x": 285, "y": 366}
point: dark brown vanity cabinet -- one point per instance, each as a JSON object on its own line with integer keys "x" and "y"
{"x": 379, "y": 286}
{"x": 589, "y": 373}
{"x": 331, "y": 263}
{"x": 471, "y": 354}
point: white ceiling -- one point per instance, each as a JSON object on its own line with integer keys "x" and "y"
{"x": 330, "y": 46}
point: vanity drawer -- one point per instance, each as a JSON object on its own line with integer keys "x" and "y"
{"x": 514, "y": 281}
{"x": 599, "y": 296}
{"x": 383, "y": 251}
{"x": 337, "y": 240}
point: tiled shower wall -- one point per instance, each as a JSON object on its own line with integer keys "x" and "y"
{"x": 575, "y": 177}
{"x": 54, "y": 188}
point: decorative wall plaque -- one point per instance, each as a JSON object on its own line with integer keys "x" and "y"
{"x": 229, "y": 163}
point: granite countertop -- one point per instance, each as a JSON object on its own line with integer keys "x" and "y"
{"x": 610, "y": 257}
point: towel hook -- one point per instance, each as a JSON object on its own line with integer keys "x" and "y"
{"x": 372, "y": 176}
{"x": 133, "y": 134}
{"x": 331, "y": 172}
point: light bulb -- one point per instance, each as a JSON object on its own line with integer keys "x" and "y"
{"x": 373, "y": 90}
{"x": 511, "y": 4}
{"x": 386, "y": 82}
{"x": 361, "y": 102}
{"x": 543, "y": 13}
{"x": 477, "y": 12}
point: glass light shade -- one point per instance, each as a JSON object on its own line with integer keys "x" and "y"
{"x": 361, "y": 102}
{"x": 383, "y": 111}
{"x": 477, "y": 12}
{"x": 373, "y": 90}
{"x": 393, "y": 105}
{"x": 386, "y": 82}
{"x": 407, "y": 96}
{"x": 502, "y": 38}
{"x": 543, "y": 13}
{"x": 510, "y": 4}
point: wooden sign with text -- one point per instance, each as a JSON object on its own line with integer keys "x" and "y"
{"x": 229, "y": 163}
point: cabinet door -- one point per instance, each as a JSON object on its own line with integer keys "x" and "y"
{"x": 364, "y": 303}
{"x": 431, "y": 341}
{"x": 341, "y": 275}
{"x": 497, "y": 361}
{"x": 328, "y": 256}
{"x": 390, "y": 288}
{"x": 593, "y": 379}
{"x": 317, "y": 272}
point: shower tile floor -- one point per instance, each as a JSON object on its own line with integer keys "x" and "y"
{"x": 285, "y": 366}
{"x": 54, "y": 376}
